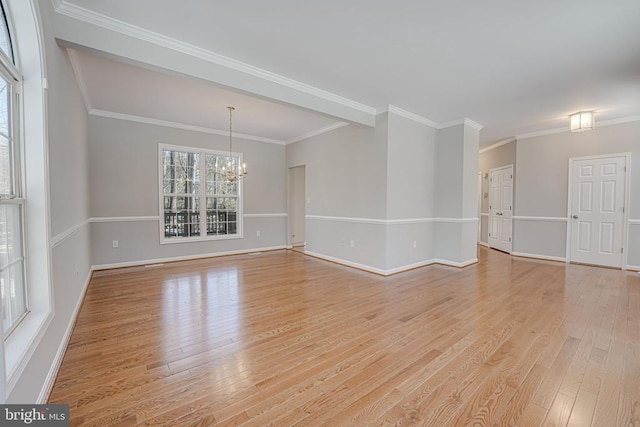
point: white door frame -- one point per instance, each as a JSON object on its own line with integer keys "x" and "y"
{"x": 625, "y": 214}
{"x": 491, "y": 203}
{"x": 479, "y": 207}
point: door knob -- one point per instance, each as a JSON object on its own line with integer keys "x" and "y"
{"x": 575, "y": 217}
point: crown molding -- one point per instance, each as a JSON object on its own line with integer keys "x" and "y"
{"x": 618, "y": 121}
{"x": 450, "y": 123}
{"x": 109, "y": 23}
{"x": 316, "y": 132}
{"x": 477, "y": 126}
{"x": 543, "y": 132}
{"x": 77, "y": 70}
{"x": 175, "y": 125}
{"x": 498, "y": 144}
{"x": 466, "y": 121}
{"x": 603, "y": 123}
{"x": 407, "y": 115}
{"x": 425, "y": 121}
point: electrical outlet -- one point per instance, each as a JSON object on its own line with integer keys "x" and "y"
{"x": 352, "y": 243}
{"x": 258, "y": 233}
{"x": 115, "y": 243}
{"x": 415, "y": 244}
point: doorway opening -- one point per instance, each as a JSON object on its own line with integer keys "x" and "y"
{"x": 297, "y": 208}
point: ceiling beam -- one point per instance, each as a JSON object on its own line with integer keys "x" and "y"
{"x": 86, "y": 30}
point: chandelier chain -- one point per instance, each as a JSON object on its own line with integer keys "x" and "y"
{"x": 231, "y": 131}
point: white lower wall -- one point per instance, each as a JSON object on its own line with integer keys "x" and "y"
{"x": 633, "y": 255}
{"x": 540, "y": 237}
{"x": 400, "y": 244}
{"x": 455, "y": 242}
{"x": 139, "y": 240}
{"x": 387, "y": 246}
{"x": 333, "y": 238}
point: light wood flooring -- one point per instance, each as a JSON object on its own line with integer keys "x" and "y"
{"x": 284, "y": 339}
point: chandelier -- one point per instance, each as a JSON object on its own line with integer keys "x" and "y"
{"x": 229, "y": 170}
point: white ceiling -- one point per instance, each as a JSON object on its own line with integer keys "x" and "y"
{"x": 515, "y": 67}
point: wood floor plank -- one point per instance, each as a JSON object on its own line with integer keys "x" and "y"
{"x": 628, "y": 412}
{"x": 285, "y": 339}
{"x": 582, "y": 412}
{"x": 522, "y": 399}
{"x": 560, "y": 410}
{"x": 610, "y": 391}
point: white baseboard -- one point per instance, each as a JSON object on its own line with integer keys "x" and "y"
{"x": 49, "y": 381}
{"x": 481, "y": 243}
{"x": 455, "y": 263}
{"x": 409, "y": 267}
{"x": 633, "y": 267}
{"x": 538, "y": 256}
{"x": 347, "y": 263}
{"x": 395, "y": 270}
{"x": 183, "y": 258}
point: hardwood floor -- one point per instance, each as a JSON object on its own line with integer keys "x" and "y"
{"x": 285, "y": 339}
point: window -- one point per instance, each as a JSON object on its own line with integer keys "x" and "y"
{"x": 197, "y": 202}
{"x": 13, "y": 296}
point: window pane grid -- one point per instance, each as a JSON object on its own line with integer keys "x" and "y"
{"x": 12, "y": 289}
{"x": 181, "y": 191}
{"x": 7, "y": 172}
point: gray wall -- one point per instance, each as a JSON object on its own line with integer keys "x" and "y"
{"x": 68, "y": 195}
{"x": 411, "y": 186}
{"x": 456, "y": 193}
{"x": 374, "y": 193}
{"x": 411, "y": 169}
{"x": 497, "y": 157}
{"x": 346, "y": 172}
{"x": 450, "y": 150}
{"x": 123, "y": 159}
{"x": 541, "y": 184}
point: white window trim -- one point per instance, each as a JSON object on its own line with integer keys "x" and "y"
{"x": 10, "y": 74}
{"x": 239, "y": 216}
{"x": 18, "y": 348}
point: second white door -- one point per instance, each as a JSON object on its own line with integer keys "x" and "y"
{"x": 597, "y": 210}
{"x": 500, "y": 208}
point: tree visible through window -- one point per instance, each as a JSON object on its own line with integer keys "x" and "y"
{"x": 198, "y": 203}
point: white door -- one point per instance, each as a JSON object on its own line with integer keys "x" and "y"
{"x": 597, "y": 188}
{"x": 500, "y": 207}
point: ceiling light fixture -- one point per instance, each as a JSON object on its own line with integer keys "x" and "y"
{"x": 581, "y": 121}
{"x": 232, "y": 170}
